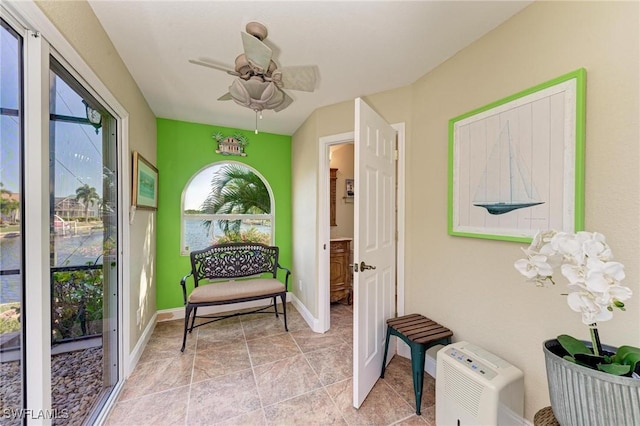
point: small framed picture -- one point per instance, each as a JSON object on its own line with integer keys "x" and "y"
{"x": 145, "y": 183}
{"x": 348, "y": 184}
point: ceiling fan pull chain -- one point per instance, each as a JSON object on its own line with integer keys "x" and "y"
{"x": 257, "y": 121}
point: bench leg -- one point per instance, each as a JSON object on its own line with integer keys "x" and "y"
{"x": 193, "y": 320}
{"x": 187, "y": 314}
{"x": 386, "y": 349}
{"x": 283, "y": 297}
{"x": 417, "y": 367}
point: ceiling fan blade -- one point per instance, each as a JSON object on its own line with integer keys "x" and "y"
{"x": 225, "y": 97}
{"x": 287, "y": 101}
{"x": 258, "y": 53}
{"x": 210, "y": 64}
{"x": 300, "y": 78}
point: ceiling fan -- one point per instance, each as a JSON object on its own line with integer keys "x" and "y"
{"x": 259, "y": 81}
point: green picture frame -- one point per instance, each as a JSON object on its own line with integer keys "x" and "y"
{"x": 516, "y": 166}
{"x": 145, "y": 183}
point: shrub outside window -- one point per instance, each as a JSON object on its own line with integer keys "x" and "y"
{"x": 226, "y": 202}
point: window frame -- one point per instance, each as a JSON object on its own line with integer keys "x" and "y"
{"x": 271, "y": 216}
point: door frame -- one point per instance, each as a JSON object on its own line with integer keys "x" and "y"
{"x": 324, "y": 236}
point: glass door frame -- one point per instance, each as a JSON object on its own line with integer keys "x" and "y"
{"x": 38, "y": 46}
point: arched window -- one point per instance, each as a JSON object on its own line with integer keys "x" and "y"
{"x": 226, "y": 202}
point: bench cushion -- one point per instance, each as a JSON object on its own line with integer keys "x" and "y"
{"x": 230, "y": 290}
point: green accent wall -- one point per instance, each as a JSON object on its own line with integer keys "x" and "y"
{"x": 183, "y": 150}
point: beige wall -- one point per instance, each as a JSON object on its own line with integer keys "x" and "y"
{"x": 342, "y": 159}
{"x": 304, "y": 178}
{"x": 79, "y": 25}
{"x": 470, "y": 284}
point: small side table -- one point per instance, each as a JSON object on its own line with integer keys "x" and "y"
{"x": 545, "y": 417}
{"x": 420, "y": 333}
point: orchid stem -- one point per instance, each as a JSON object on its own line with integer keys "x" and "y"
{"x": 595, "y": 339}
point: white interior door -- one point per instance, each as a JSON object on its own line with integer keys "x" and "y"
{"x": 374, "y": 236}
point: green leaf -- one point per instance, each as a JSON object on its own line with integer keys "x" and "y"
{"x": 628, "y": 355}
{"x": 615, "y": 369}
{"x": 572, "y": 345}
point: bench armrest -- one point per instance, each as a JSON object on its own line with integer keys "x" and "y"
{"x": 286, "y": 280}
{"x": 183, "y": 283}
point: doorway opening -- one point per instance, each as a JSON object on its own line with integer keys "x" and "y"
{"x": 337, "y": 143}
{"x": 341, "y": 221}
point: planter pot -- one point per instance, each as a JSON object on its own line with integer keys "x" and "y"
{"x": 581, "y": 396}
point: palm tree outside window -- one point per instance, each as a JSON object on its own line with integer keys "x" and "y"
{"x": 226, "y": 202}
{"x": 88, "y": 196}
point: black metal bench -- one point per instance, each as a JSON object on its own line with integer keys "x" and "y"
{"x": 220, "y": 266}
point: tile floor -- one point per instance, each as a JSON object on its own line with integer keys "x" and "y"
{"x": 248, "y": 371}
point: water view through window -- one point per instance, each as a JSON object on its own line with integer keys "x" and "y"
{"x": 226, "y": 202}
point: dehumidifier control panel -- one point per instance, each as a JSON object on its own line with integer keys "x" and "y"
{"x": 471, "y": 362}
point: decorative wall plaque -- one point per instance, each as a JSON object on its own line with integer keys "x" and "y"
{"x": 231, "y": 145}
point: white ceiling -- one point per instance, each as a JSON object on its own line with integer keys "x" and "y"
{"x": 360, "y": 48}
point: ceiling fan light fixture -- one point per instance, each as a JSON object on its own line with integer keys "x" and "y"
{"x": 256, "y": 94}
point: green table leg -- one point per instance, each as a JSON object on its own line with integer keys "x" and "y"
{"x": 417, "y": 367}
{"x": 386, "y": 349}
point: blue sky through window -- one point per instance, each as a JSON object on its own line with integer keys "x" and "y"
{"x": 78, "y": 149}
{"x": 9, "y": 99}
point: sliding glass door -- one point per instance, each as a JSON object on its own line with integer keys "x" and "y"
{"x": 60, "y": 238}
{"x": 84, "y": 230}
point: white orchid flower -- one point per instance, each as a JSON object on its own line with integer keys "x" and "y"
{"x": 541, "y": 239}
{"x": 534, "y": 266}
{"x": 600, "y": 275}
{"x": 569, "y": 246}
{"x": 586, "y": 261}
{"x": 614, "y": 270}
{"x": 597, "y": 249}
{"x": 548, "y": 250}
{"x": 591, "y": 311}
{"x": 620, "y": 293}
{"x": 574, "y": 273}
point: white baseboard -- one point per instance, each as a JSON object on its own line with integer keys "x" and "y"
{"x": 136, "y": 353}
{"x": 178, "y": 313}
{"x": 312, "y": 321}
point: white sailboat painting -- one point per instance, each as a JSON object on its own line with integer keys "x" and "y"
{"x": 506, "y": 184}
{"x": 513, "y": 165}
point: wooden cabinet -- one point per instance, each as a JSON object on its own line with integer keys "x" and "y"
{"x": 333, "y": 177}
{"x": 340, "y": 270}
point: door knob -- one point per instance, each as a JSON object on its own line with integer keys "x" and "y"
{"x": 364, "y": 266}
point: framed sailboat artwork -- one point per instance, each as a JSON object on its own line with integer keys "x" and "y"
{"x": 516, "y": 166}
